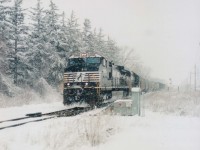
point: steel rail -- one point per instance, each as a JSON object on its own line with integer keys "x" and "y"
{"x": 55, "y": 114}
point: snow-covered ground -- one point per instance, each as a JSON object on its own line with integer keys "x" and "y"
{"x": 171, "y": 122}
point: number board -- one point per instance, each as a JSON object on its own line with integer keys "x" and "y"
{"x": 83, "y": 55}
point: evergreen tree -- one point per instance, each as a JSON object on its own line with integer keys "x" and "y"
{"x": 63, "y": 38}
{"x": 57, "y": 57}
{"x": 74, "y": 42}
{"x": 111, "y": 50}
{"x": 94, "y": 42}
{"x": 88, "y": 37}
{"x": 3, "y": 55}
{"x": 51, "y": 23}
{"x": 2, "y": 17}
{"x": 37, "y": 16}
{"x": 39, "y": 53}
{"x": 19, "y": 67}
{"x": 100, "y": 43}
{"x": 63, "y": 34}
{"x": 4, "y": 13}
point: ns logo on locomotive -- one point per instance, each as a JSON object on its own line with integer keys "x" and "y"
{"x": 91, "y": 78}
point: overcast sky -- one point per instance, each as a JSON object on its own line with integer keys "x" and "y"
{"x": 165, "y": 33}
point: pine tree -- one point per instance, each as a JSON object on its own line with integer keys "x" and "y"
{"x": 52, "y": 26}
{"x": 39, "y": 53}
{"x": 19, "y": 67}
{"x": 3, "y": 55}
{"x": 2, "y": 17}
{"x": 57, "y": 57}
{"x": 37, "y": 16}
{"x": 111, "y": 50}
{"x": 74, "y": 41}
{"x": 100, "y": 43}
{"x": 63, "y": 38}
{"x": 63, "y": 34}
{"x": 94, "y": 42}
{"x": 88, "y": 37}
{"x": 4, "y": 13}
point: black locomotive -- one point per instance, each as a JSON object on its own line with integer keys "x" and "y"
{"x": 91, "y": 78}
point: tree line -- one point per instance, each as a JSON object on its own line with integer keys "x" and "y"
{"x": 40, "y": 49}
{"x": 35, "y": 44}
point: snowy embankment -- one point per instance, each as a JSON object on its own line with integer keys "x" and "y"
{"x": 174, "y": 102}
{"x": 168, "y": 124}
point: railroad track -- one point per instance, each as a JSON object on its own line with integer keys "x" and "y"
{"x": 37, "y": 117}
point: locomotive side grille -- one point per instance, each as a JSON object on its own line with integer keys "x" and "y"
{"x": 81, "y": 77}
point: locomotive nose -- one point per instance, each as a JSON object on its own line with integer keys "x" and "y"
{"x": 75, "y": 91}
{"x": 79, "y": 91}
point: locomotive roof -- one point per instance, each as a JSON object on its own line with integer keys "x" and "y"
{"x": 83, "y": 55}
{"x": 122, "y": 69}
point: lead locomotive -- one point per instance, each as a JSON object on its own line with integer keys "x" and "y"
{"x": 91, "y": 78}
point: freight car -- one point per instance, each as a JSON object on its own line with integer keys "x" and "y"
{"x": 91, "y": 78}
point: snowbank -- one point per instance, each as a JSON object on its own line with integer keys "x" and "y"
{"x": 92, "y": 132}
{"x": 43, "y": 93}
{"x": 171, "y": 102}
{"x": 164, "y": 127}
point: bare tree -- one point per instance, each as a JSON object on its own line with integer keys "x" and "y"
{"x": 143, "y": 71}
{"x": 128, "y": 57}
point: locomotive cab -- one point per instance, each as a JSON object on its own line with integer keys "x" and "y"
{"x": 83, "y": 64}
{"x": 83, "y": 77}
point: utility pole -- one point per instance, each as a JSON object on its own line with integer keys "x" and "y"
{"x": 190, "y": 81}
{"x": 195, "y": 72}
{"x": 170, "y": 84}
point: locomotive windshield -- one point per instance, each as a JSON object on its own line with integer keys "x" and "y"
{"x": 83, "y": 64}
{"x": 93, "y": 60}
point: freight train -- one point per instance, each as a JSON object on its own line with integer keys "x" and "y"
{"x": 91, "y": 78}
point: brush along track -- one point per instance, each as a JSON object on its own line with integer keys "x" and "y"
{"x": 45, "y": 116}
{"x": 37, "y": 117}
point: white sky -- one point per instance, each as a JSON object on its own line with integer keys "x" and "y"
{"x": 165, "y": 33}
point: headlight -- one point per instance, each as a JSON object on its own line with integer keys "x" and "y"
{"x": 68, "y": 84}
{"x": 86, "y": 84}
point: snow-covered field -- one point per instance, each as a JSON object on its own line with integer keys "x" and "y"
{"x": 171, "y": 122}
{"x": 177, "y": 103}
